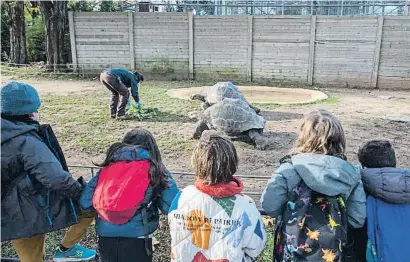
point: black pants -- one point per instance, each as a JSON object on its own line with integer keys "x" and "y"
{"x": 121, "y": 249}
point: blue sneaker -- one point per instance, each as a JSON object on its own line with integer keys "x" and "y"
{"x": 76, "y": 253}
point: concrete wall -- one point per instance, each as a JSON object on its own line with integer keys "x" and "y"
{"x": 161, "y": 44}
{"x": 370, "y": 52}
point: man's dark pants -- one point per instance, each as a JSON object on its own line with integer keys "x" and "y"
{"x": 120, "y": 93}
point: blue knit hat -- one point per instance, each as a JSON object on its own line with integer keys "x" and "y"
{"x": 19, "y": 99}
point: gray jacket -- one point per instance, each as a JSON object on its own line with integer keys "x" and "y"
{"x": 391, "y": 185}
{"x": 324, "y": 174}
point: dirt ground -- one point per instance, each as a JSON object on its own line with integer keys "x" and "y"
{"x": 361, "y": 112}
{"x": 78, "y": 112}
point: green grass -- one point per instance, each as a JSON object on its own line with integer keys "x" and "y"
{"x": 331, "y": 100}
{"x": 162, "y": 248}
{"x": 27, "y": 72}
{"x": 267, "y": 254}
{"x": 82, "y": 120}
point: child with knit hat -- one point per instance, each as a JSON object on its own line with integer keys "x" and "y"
{"x": 38, "y": 193}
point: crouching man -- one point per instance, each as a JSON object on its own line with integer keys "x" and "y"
{"x": 118, "y": 80}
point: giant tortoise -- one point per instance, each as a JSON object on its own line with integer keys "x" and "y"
{"x": 234, "y": 118}
{"x": 216, "y": 93}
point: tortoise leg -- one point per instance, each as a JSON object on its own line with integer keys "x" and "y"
{"x": 205, "y": 105}
{"x": 199, "y": 97}
{"x": 201, "y": 126}
{"x": 260, "y": 141}
{"x": 257, "y": 110}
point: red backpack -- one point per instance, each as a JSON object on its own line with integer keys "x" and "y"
{"x": 120, "y": 190}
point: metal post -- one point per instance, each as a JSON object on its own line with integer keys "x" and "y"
{"x": 72, "y": 41}
{"x": 311, "y": 7}
{"x": 283, "y": 7}
{"x": 341, "y": 7}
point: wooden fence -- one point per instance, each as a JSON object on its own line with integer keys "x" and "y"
{"x": 371, "y": 52}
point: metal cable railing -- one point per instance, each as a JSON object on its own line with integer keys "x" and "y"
{"x": 181, "y": 174}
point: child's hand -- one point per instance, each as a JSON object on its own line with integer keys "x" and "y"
{"x": 82, "y": 182}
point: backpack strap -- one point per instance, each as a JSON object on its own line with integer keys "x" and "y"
{"x": 143, "y": 210}
{"x": 145, "y": 230}
{"x": 45, "y": 134}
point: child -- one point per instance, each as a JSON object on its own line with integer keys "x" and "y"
{"x": 126, "y": 194}
{"x": 388, "y": 203}
{"x": 315, "y": 191}
{"x": 38, "y": 194}
{"x": 212, "y": 220}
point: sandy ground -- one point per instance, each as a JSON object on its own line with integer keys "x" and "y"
{"x": 360, "y": 111}
{"x": 61, "y": 87}
{"x": 261, "y": 94}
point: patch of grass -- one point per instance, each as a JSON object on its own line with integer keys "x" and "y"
{"x": 53, "y": 239}
{"x": 331, "y": 100}
{"x": 162, "y": 248}
{"x": 267, "y": 254}
{"x": 82, "y": 120}
{"x": 28, "y": 72}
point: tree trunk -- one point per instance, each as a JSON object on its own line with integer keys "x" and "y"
{"x": 55, "y": 15}
{"x": 18, "y": 48}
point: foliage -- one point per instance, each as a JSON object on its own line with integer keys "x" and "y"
{"x": 110, "y": 6}
{"x": 81, "y": 6}
{"x": 142, "y": 113}
{"x": 36, "y": 46}
{"x": 31, "y": 10}
{"x": 95, "y": 6}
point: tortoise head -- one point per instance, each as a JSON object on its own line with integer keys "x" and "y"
{"x": 199, "y": 97}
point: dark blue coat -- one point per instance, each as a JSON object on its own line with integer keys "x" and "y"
{"x": 135, "y": 227}
{"x": 388, "y": 213}
{"x": 128, "y": 79}
{"x": 36, "y": 189}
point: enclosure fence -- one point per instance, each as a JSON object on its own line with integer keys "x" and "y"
{"x": 275, "y": 7}
{"x": 179, "y": 175}
{"x": 370, "y": 52}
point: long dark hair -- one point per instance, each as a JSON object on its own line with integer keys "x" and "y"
{"x": 144, "y": 139}
{"x": 110, "y": 155}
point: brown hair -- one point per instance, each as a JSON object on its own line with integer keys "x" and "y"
{"x": 321, "y": 133}
{"x": 144, "y": 139}
{"x": 215, "y": 160}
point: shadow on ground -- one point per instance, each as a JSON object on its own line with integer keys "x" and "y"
{"x": 275, "y": 139}
{"x": 161, "y": 116}
{"x": 280, "y": 138}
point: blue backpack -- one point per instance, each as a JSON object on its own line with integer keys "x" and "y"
{"x": 388, "y": 229}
